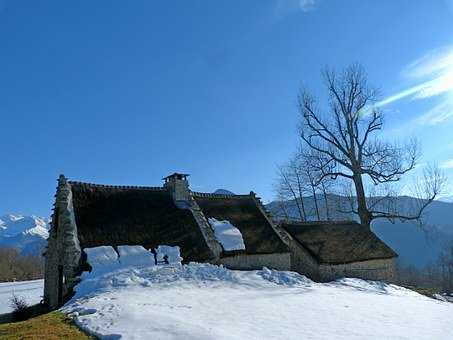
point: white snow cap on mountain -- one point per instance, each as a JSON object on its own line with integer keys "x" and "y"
{"x": 28, "y": 234}
{"x": 13, "y": 225}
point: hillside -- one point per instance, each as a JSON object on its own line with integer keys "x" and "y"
{"x": 414, "y": 246}
{"x": 203, "y": 301}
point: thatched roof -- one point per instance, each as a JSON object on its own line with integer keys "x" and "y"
{"x": 339, "y": 242}
{"x": 243, "y": 212}
{"x": 109, "y": 215}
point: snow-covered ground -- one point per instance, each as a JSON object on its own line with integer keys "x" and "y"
{"x": 203, "y": 301}
{"x": 31, "y": 291}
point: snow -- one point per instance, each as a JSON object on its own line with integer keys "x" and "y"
{"x": 204, "y": 301}
{"x": 102, "y": 258}
{"x": 31, "y": 291}
{"x": 27, "y": 234}
{"x": 135, "y": 255}
{"x": 173, "y": 254}
{"x": 227, "y": 234}
{"x": 13, "y": 225}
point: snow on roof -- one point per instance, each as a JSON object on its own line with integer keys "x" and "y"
{"x": 227, "y": 234}
{"x": 244, "y": 213}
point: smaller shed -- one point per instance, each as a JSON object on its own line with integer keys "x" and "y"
{"x": 329, "y": 250}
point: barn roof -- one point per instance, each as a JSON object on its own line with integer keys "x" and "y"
{"x": 339, "y": 242}
{"x": 245, "y": 213}
{"x": 121, "y": 215}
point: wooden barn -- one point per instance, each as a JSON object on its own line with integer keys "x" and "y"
{"x": 89, "y": 215}
{"x": 325, "y": 251}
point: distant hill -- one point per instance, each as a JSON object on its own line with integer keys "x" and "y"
{"x": 413, "y": 245}
{"x": 447, "y": 199}
{"x": 26, "y": 233}
{"x": 223, "y": 192}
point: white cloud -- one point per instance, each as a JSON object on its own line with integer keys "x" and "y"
{"x": 306, "y": 5}
{"x": 438, "y": 114}
{"x": 448, "y": 164}
{"x": 284, "y": 8}
{"x": 434, "y": 74}
{"x": 431, "y": 63}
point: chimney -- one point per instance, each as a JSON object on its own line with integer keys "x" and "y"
{"x": 178, "y": 185}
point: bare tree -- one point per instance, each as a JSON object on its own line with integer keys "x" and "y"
{"x": 14, "y": 266}
{"x": 344, "y": 136}
{"x": 290, "y": 187}
{"x": 446, "y": 267}
{"x": 299, "y": 181}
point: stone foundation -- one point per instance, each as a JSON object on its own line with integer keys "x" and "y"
{"x": 304, "y": 263}
{"x": 257, "y": 261}
{"x": 378, "y": 270}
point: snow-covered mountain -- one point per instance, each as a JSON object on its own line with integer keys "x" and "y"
{"x": 447, "y": 199}
{"x": 26, "y": 233}
{"x": 223, "y": 192}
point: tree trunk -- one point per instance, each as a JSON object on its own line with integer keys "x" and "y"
{"x": 316, "y": 202}
{"x": 301, "y": 195}
{"x": 364, "y": 213}
{"x": 326, "y": 201}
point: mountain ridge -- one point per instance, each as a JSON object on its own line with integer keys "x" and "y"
{"x": 27, "y": 233}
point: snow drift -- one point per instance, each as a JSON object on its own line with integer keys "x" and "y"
{"x": 204, "y": 301}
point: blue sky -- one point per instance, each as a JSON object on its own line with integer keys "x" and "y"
{"x": 125, "y": 92}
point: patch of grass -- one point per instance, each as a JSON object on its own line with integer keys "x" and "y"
{"x": 427, "y": 291}
{"x": 50, "y": 326}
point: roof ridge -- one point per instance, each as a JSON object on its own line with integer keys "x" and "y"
{"x": 116, "y": 186}
{"x": 208, "y": 194}
{"x": 323, "y": 222}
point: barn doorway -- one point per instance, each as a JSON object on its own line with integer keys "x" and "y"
{"x": 60, "y": 284}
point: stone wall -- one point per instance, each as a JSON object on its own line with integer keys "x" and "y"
{"x": 257, "y": 261}
{"x": 179, "y": 188}
{"x": 380, "y": 270}
{"x": 206, "y": 229}
{"x": 63, "y": 250}
{"x": 303, "y": 262}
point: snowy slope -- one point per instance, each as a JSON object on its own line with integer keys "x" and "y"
{"x": 31, "y": 291}
{"x": 202, "y": 301}
{"x": 26, "y": 233}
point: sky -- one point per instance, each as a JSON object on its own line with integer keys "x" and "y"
{"x": 126, "y": 92}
